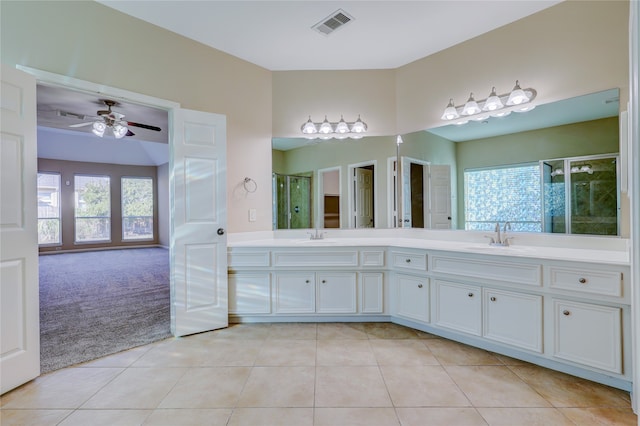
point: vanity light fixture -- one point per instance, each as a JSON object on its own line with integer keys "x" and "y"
{"x": 334, "y": 130}
{"x": 518, "y": 100}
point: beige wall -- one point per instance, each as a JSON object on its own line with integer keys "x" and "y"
{"x": 300, "y": 94}
{"x": 67, "y": 171}
{"x": 573, "y": 48}
{"x": 88, "y": 41}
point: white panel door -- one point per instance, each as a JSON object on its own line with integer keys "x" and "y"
{"x": 198, "y": 231}
{"x": 336, "y": 293}
{"x": 19, "y": 300}
{"x": 440, "y": 196}
{"x": 412, "y": 297}
{"x": 459, "y": 307}
{"x": 364, "y": 198}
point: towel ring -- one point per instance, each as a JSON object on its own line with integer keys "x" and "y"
{"x": 250, "y": 185}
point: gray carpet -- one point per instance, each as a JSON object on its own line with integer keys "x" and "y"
{"x": 98, "y": 303}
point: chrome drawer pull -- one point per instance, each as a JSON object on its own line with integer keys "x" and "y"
{"x": 566, "y": 313}
{"x": 470, "y": 294}
{"x": 493, "y": 298}
{"x": 582, "y": 280}
{"x": 408, "y": 260}
{"x": 419, "y": 285}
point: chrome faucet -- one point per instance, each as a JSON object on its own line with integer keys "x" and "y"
{"x": 500, "y": 239}
{"x": 317, "y": 235}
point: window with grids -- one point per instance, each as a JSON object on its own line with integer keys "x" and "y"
{"x": 137, "y": 208}
{"x": 503, "y": 194}
{"x": 92, "y": 208}
{"x": 49, "y": 209}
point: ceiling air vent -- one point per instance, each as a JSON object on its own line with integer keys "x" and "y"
{"x": 336, "y": 20}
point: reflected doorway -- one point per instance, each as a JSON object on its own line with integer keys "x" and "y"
{"x": 362, "y": 199}
{"x": 329, "y": 198}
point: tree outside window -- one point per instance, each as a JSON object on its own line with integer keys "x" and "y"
{"x": 137, "y": 208}
{"x": 92, "y": 208}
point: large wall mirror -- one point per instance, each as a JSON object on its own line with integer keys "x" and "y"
{"x": 558, "y": 162}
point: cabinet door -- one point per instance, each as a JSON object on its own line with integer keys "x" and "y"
{"x": 412, "y": 297}
{"x": 513, "y": 318}
{"x": 588, "y": 334}
{"x": 336, "y": 292}
{"x": 458, "y": 307}
{"x": 372, "y": 293}
{"x": 250, "y": 293}
{"x": 294, "y": 293}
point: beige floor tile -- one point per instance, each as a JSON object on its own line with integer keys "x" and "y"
{"x": 510, "y": 361}
{"x": 10, "y": 417}
{"x": 231, "y": 353}
{"x": 459, "y": 416}
{"x": 350, "y": 387}
{"x": 422, "y": 386}
{"x": 603, "y": 416}
{"x": 272, "y": 417}
{"x": 66, "y": 388}
{"x": 136, "y": 388}
{"x": 189, "y": 417}
{"x": 357, "y": 416}
{"x": 341, "y": 331}
{"x": 120, "y": 359}
{"x": 106, "y": 418}
{"x": 495, "y": 386}
{"x": 453, "y": 353}
{"x": 402, "y": 352}
{"x": 293, "y": 331}
{"x": 345, "y": 352}
{"x": 279, "y": 387}
{"x": 525, "y": 416}
{"x": 563, "y": 390}
{"x": 387, "y": 330}
{"x": 207, "y": 387}
{"x": 287, "y": 352}
{"x": 181, "y": 352}
{"x": 241, "y": 331}
{"x": 425, "y": 335}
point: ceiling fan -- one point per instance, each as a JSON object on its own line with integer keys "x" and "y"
{"x": 113, "y": 120}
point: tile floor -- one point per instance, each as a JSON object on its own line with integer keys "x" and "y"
{"x": 312, "y": 374}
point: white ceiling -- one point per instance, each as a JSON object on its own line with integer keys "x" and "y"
{"x": 277, "y": 35}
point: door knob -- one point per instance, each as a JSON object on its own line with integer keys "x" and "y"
{"x": 220, "y": 231}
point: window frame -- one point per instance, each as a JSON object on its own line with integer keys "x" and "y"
{"x": 75, "y": 211}
{"x": 122, "y": 209}
{"x": 58, "y": 218}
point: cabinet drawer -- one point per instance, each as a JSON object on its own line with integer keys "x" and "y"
{"x": 608, "y": 283}
{"x": 245, "y": 258}
{"x": 588, "y": 334}
{"x": 413, "y": 261}
{"x": 372, "y": 257}
{"x": 316, "y": 258}
{"x": 521, "y": 273}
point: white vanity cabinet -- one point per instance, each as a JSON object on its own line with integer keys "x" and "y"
{"x": 250, "y": 293}
{"x": 458, "y": 307}
{"x": 588, "y": 334}
{"x": 294, "y": 293}
{"x": 513, "y": 318}
{"x": 336, "y": 293}
{"x": 411, "y": 297}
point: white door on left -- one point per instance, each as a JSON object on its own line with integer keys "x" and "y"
{"x": 19, "y": 301}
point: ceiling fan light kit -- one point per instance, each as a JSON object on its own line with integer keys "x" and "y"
{"x": 518, "y": 100}
{"x": 334, "y": 130}
{"x": 108, "y": 119}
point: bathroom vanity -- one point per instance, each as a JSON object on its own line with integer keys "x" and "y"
{"x": 564, "y": 305}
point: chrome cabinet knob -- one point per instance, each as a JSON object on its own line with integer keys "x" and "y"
{"x": 419, "y": 285}
{"x": 582, "y": 280}
{"x": 470, "y": 294}
{"x": 324, "y": 281}
{"x": 493, "y": 298}
{"x": 306, "y": 281}
{"x": 408, "y": 260}
{"x": 566, "y": 313}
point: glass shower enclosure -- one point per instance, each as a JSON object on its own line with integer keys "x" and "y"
{"x": 291, "y": 201}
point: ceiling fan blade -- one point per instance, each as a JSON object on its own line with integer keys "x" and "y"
{"x": 81, "y": 124}
{"x": 130, "y": 133}
{"x": 144, "y": 126}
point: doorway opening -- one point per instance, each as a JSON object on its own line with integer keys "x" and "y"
{"x": 362, "y": 197}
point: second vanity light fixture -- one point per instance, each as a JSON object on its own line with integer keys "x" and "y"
{"x": 338, "y": 130}
{"x": 518, "y": 100}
